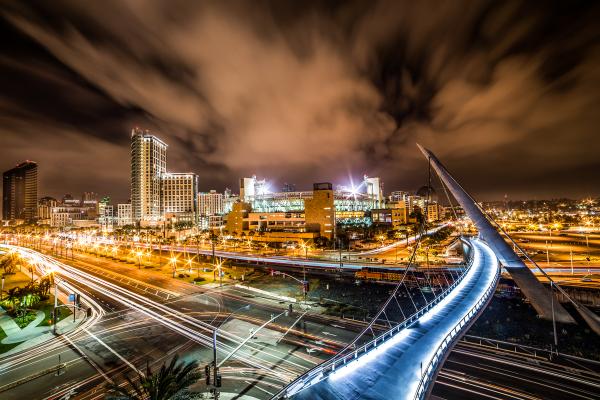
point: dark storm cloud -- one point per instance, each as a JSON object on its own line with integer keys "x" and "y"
{"x": 305, "y": 92}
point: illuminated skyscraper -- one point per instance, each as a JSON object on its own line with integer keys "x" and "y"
{"x": 19, "y": 192}
{"x": 148, "y": 164}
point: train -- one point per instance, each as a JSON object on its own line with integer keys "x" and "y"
{"x": 378, "y": 274}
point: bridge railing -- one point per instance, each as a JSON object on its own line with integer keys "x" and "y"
{"x": 321, "y": 371}
{"x": 429, "y": 372}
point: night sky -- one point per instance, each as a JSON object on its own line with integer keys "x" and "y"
{"x": 506, "y": 93}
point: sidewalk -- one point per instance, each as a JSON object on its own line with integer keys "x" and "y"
{"x": 33, "y": 335}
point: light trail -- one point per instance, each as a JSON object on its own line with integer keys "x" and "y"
{"x": 423, "y": 341}
{"x": 174, "y": 320}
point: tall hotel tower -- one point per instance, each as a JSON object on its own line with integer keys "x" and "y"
{"x": 148, "y": 165}
{"x": 19, "y": 192}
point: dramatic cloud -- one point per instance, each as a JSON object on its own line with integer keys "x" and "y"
{"x": 504, "y": 93}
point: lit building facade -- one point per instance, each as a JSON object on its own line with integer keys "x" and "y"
{"x": 211, "y": 203}
{"x": 352, "y": 205}
{"x": 319, "y": 211}
{"x": 19, "y": 192}
{"x": 179, "y": 196}
{"x": 374, "y": 190}
{"x": 148, "y": 165}
{"x": 394, "y": 217}
{"x": 75, "y": 214}
{"x": 124, "y": 214}
{"x": 106, "y": 215}
{"x": 45, "y": 205}
{"x": 435, "y": 212}
{"x": 299, "y": 213}
{"x": 211, "y": 208}
{"x": 252, "y": 187}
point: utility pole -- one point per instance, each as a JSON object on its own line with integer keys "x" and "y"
{"x": 547, "y": 254}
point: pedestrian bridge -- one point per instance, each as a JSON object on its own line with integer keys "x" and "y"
{"x": 402, "y": 363}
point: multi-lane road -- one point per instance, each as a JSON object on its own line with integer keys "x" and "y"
{"x": 147, "y": 321}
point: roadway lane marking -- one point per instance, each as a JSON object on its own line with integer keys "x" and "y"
{"x": 89, "y": 360}
{"x": 130, "y": 365}
{"x": 259, "y": 388}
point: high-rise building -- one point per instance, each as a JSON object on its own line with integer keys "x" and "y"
{"x": 19, "y": 192}
{"x": 179, "y": 196}
{"x": 148, "y": 164}
{"x": 211, "y": 203}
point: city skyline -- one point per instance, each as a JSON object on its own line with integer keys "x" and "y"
{"x": 491, "y": 95}
{"x": 283, "y": 200}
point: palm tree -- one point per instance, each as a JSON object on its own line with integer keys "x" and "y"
{"x": 13, "y": 295}
{"x": 162, "y": 385}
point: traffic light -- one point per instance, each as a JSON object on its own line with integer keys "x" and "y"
{"x": 305, "y": 287}
{"x": 88, "y": 312}
{"x": 78, "y": 299}
{"x": 218, "y": 380}
{"x": 207, "y": 372}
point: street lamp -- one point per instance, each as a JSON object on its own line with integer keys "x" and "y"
{"x": 305, "y": 247}
{"x": 173, "y": 261}
{"x": 215, "y": 331}
{"x": 139, "y": 255}
{"x": 219, "y": 266}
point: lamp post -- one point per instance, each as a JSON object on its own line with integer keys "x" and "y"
{"x": 219, "y": 266}
{"x": 174, "y": 264}
{"x": 215, "y": 331}
{"x": 571, "y": 254}
{"x": 139, "y": 255}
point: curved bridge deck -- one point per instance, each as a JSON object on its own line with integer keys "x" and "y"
{"x": 404, "y": 366}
